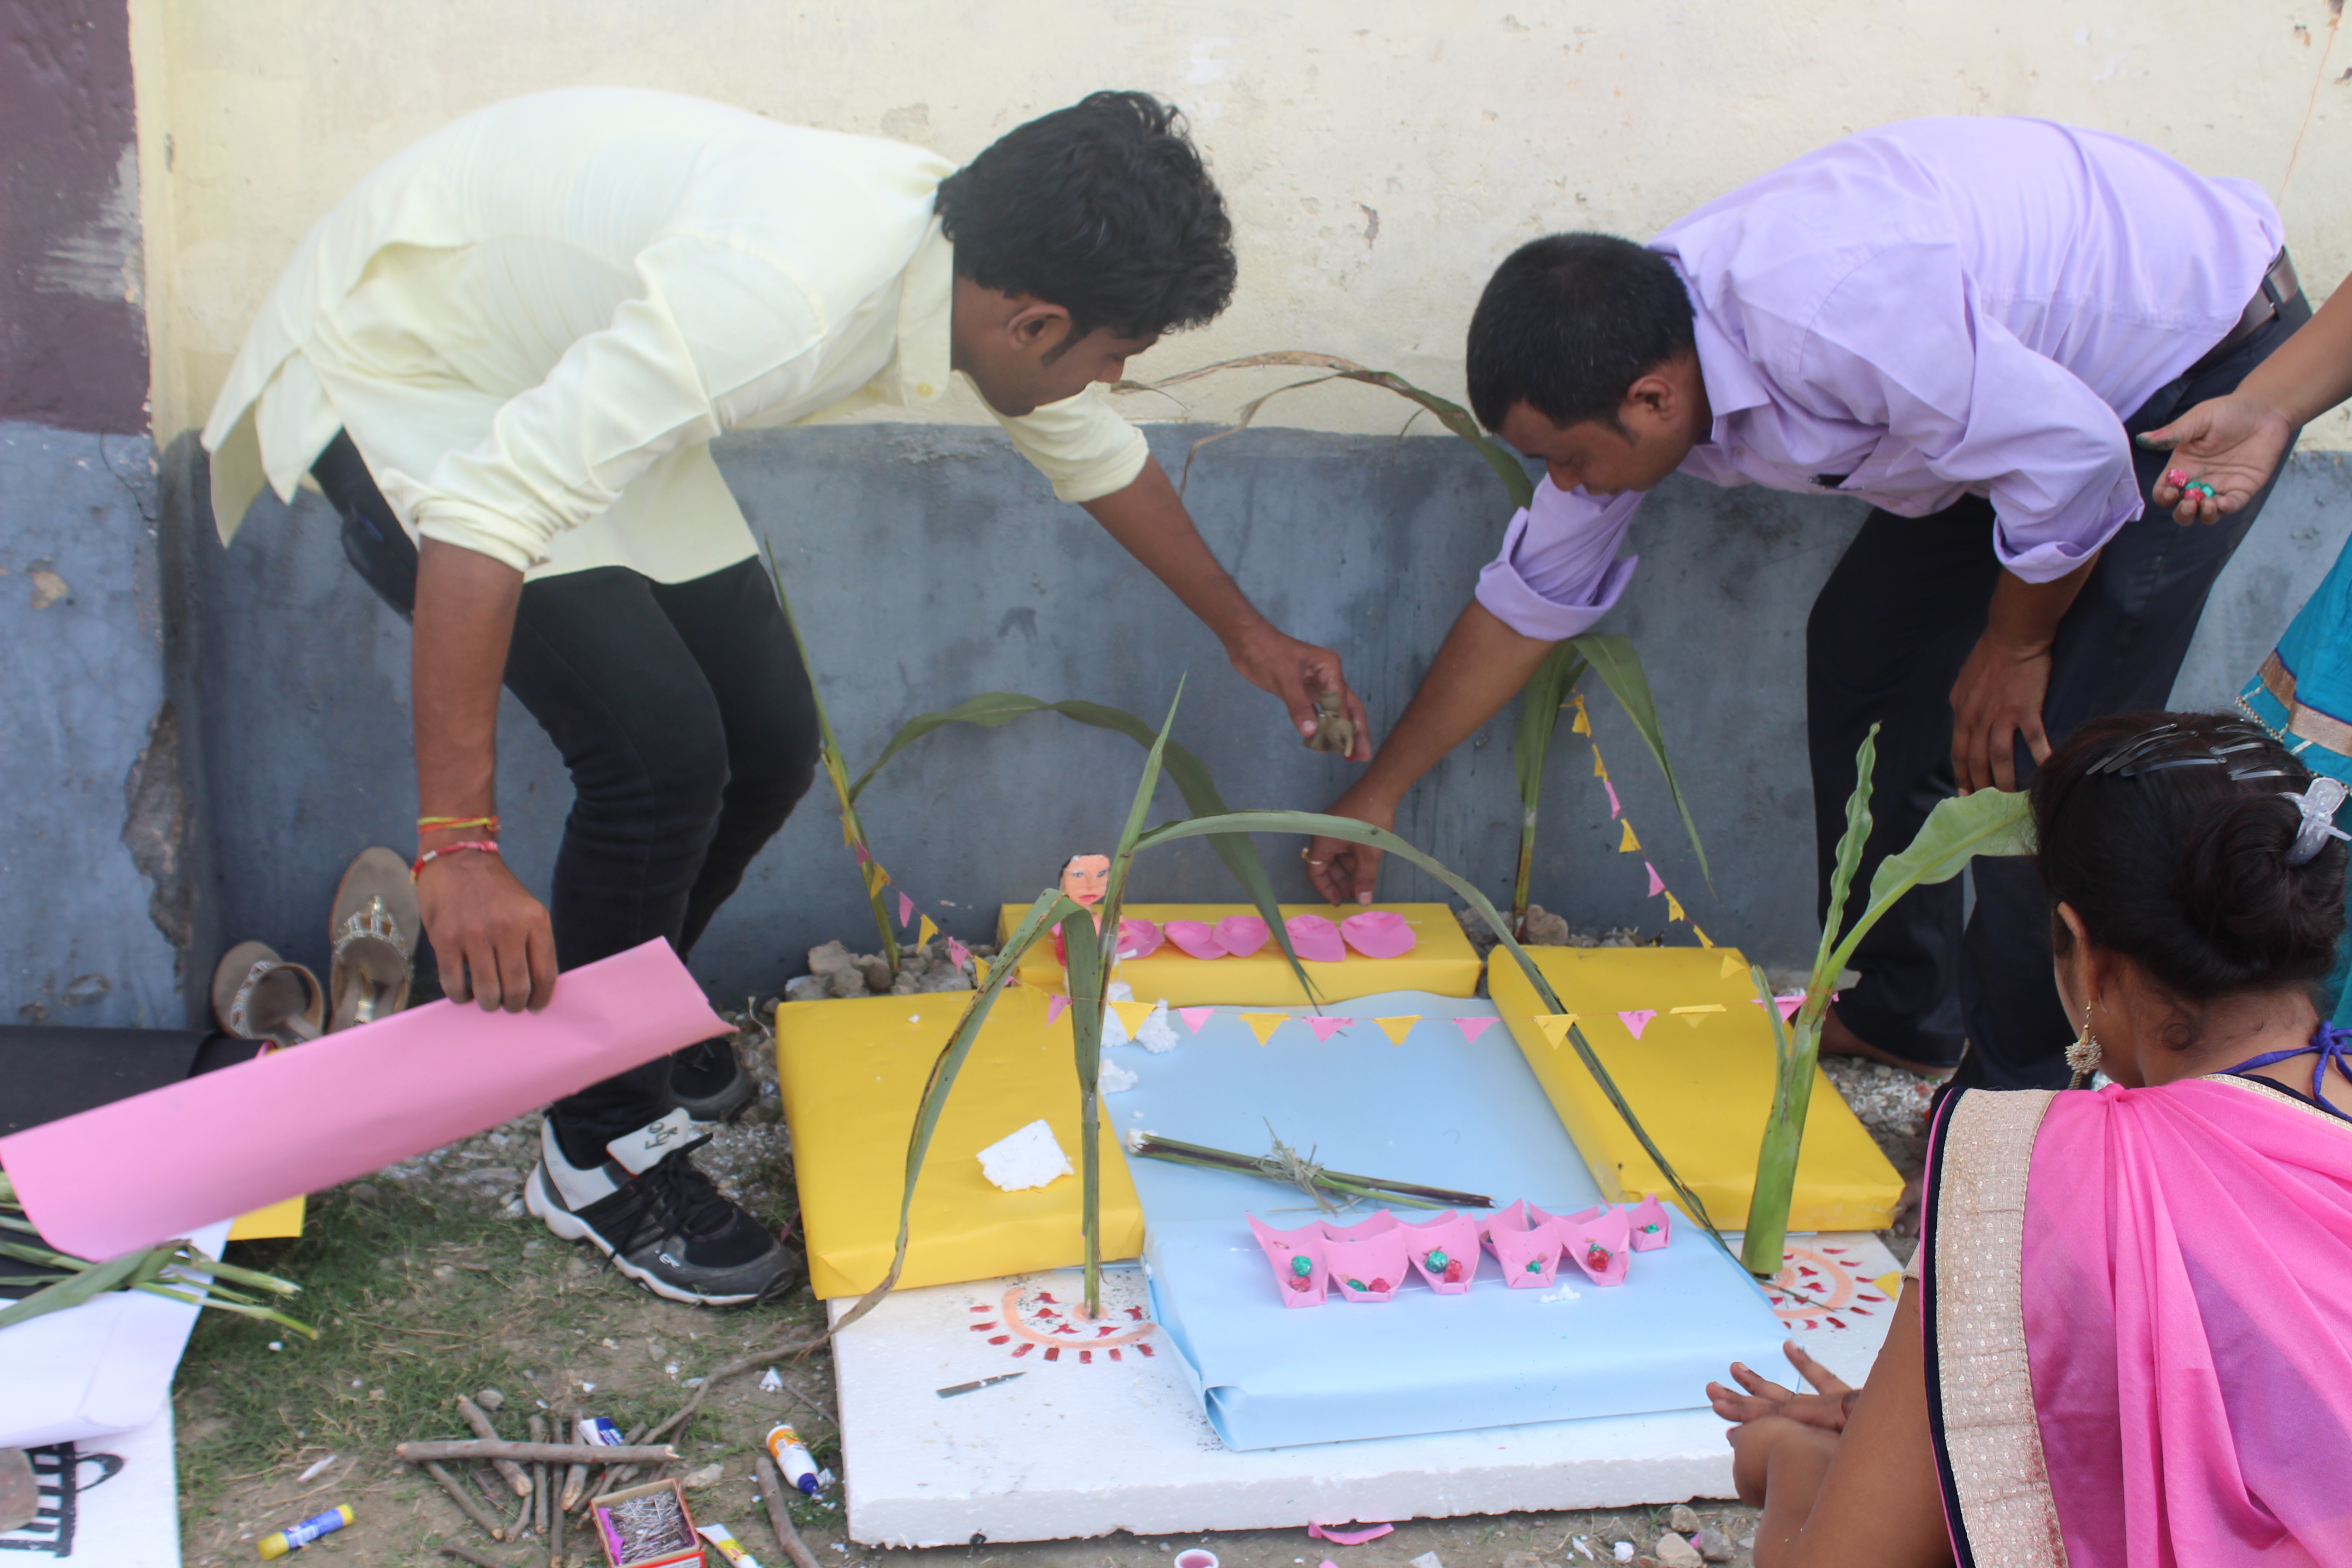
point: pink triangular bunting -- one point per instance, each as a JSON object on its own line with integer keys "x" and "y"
{"x": 958, "y": 953}
{"x": 1326, "y": 1027}
{"x": 1657, "y": 883}
{"x": 1637, "y": 1020}
{"x": 1614, "y": 809}
{"x": 1474, "y": 1027}
{"x": 906, "y": 910}
{"x": 1055, "y": 1006}
{"x": 1194, "y": 1017}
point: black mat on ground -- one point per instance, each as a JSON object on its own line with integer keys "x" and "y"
{"x": 49, "y": 1070}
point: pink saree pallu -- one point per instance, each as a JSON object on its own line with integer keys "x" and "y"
{"x": 2138, "y": 1314}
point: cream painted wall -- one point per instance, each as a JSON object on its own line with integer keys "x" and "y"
{"x": 1379, "y": 155}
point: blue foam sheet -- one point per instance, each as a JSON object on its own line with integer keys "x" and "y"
{"x": 1440, "y": 1110}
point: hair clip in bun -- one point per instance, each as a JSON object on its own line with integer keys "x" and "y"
{"x": 2318, "y": 805}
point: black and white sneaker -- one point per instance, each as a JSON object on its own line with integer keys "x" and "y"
{"x": 709, "y": 1083}
{"x": 659, "y": 1219}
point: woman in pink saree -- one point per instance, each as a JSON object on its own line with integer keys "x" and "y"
{"x": 2126, "y": 1340}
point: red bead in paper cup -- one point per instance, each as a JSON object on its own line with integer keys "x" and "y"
{"x": 1240, "y": 936}
{"x": 1368, "y": 1267}
{"x": 1600, "y": 1241}
{"x": 1194, "y": 939}
{"x": 1444, "y": 1251}
{"x": 1299, "y": 1275}
{"x": 1528, "y": 1249}
{"x": 1652, "y": 1224}
{"x": 1137, "y": 938}
{"x": 1316, "y": 939}
{"x": 1378, "y": 933}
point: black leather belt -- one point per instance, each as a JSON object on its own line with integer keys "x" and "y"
{"x": 2280, "y": 284}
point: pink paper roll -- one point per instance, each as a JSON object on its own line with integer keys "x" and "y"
{"x": 170, "y": 1161}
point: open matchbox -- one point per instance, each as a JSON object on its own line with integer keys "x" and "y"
{"x": 611, "y": 1537}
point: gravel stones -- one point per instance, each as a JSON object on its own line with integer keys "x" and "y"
{"x": 1714, "y": 1545}
{"x": 1674, "y": 1552}
{"x": 1684, "y": 1519}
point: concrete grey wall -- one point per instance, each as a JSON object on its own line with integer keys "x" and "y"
{"x": 928, "y": 564}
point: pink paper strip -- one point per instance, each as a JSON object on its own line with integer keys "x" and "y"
{"x": 1326, "y": 1027}
{"x": 1194, "y": 1017}
{"x": 1614, "y": 809}
{"x": 1348, "y": 1537}
{"x": 1657, "y": 883}
{"x": 906, "y": 910}
{"x": 170, "y": 1161}
{"x": 1474, "y": 1027}
{"x": 1055, "y": 1006}
{"x": 1638, "y": 1020}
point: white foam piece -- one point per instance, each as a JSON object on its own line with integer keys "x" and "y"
{"x": 1028, "y": 1157}
{"x": 1072, "y": 1449}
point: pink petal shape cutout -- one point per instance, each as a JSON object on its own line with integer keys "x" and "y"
{"x": 1281, "y": 1248}
{"x": 1195, "y": 938}
{"x": 1313, "y": 937}
{"x": 1652, "y": 1224}
{"x": 1378, "y": 933}
{"x": 1638, "y": 1020}
{"x": 1195, "y": 1016}
{"x": 1657, "y": 883}
{"x": 1137, "y": 938}
{"x": 1474, "y": 1027}
{"x": 1326, "y": 1027}
{"x": 1240, "y": 936}
{"x": 1350, "y": 1537}
{"x": 1055, "y": 1005}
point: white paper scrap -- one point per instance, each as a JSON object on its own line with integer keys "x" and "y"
{"x": 1028, "y": 1158}
{"x": 770, "y": 1383}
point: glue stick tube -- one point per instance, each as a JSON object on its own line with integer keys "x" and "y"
{"x": 299, "y": 1535}
{"x": 793, "y": 1457}
{"x": 720, "y": 1536}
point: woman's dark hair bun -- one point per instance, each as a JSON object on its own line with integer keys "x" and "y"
{"x": 2168, "y": 835}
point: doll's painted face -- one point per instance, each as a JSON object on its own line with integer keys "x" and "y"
{"x": 1086, "y": 878}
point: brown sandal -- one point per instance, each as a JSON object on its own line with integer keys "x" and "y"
{"x": 257, "y": 996}
{"x": 373, "y": 926}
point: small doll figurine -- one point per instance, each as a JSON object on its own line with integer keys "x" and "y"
{"x": 1085, "y": 878}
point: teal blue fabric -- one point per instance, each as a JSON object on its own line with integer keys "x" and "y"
{"x": 2303, "y": 690}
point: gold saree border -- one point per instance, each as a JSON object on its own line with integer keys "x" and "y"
{"x": 2302, "y": 722}
{"x": 1990, "y": 1437}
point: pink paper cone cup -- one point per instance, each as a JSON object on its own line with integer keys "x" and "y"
{"x": 1600, "y": 1241}
{"x": 1444, "y": 1251}
{"x": 1652, "y": 1224}
{"x": 1369, "y": 1269}
{"x": 1286, "y": 1250}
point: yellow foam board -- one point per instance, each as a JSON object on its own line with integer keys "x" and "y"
{"x": 852, "y": 1073}
{"x": 1442, "y": 961}
{"x": 283, "y": 1218}
{"x": 1702, "y": 1092}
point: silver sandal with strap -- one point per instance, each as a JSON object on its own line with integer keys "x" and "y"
{"x": 373, "y": 926}
{"x": 257, "y": 996}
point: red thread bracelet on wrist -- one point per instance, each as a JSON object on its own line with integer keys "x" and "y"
{"x": 479, "y": 846}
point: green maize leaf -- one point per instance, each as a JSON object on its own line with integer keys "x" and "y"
{"x": 94, "y": 1279}
{"x": 1849, "y": 858}
{"x": 1612, "y": 658}
{"x": 1187, "y": 771}
{"x": 1990, "y": 822}
{"x": 199, "y": 1259}
{"x": 1051, "y": 906}
{"x": 1314, "y": 823}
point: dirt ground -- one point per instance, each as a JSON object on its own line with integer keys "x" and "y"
{"x": 427, "y": 1281}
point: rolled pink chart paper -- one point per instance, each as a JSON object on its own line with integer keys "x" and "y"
{"x": 1378, "y": 933}
{"x": 170, "y": 1161}
{"x": 1313, "y": 937}
{"x": 1240, "y": 936}
{"x": 1194, "y": 938}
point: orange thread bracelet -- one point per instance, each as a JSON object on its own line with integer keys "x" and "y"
{"x": 430, "y": 823}
{"x": 479, "y": 846}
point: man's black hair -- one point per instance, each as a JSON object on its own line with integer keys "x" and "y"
{"x": 1568, "y": 323}
{"x": 1103, "y": 208}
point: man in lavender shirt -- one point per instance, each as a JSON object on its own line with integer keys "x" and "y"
{"x": 1964, "y": 323}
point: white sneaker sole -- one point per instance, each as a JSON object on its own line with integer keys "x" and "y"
{"x": 571, "y": 1228}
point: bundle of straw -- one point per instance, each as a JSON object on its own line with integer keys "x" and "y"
{"x": 1286, "y": 1164}
{"x": 164, "y": 1270}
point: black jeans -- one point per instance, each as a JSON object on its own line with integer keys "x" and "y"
{"x": 687, "y": 722}
{"x": 1887, "y": 636}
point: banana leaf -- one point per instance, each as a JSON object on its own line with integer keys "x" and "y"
{"x": 1187, "y": 771}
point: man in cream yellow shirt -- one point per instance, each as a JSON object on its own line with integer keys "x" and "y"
{"x": 503, "y": 356}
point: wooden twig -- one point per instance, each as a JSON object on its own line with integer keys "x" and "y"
{"x": 732, "y": 1369}
{"x": 520, "y": 1526}
{"x": 539, "y": 1479}
{"x": 779, "y": 1517}
{"x": 465, "y": 1505}
{"x": 556, "y": 1453}
{"x": 554, "y": 1536}
{"x": 462, "y": 1555}
{"x": 480, "y": 1421}
{"x": 615, "y": 1474}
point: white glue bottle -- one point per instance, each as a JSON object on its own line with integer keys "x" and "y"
{"x": 793, "y": 1457}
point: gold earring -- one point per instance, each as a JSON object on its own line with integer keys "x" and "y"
{"x": 2082, "y": 1055}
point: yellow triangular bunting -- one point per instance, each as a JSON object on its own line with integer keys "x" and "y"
{"x": 1599, "y": 770}
{"x": 1580, "y": 725}
{"x": 1396, "y": 1029}
{"x": 1132, "y": 1015}
{"x": 1555, "y": 1026}
{"x": 1702, "y": 936}
{"x": 1694, "y": 1016}
{"x": 1732, "y": 968}
{"x": 1673, "y": 908}
{"x": 1628, "y": 844}
{"x": 927, "y": 930}
{"x": 1264, "y": 1025}
{"x": 979, "y": 971}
